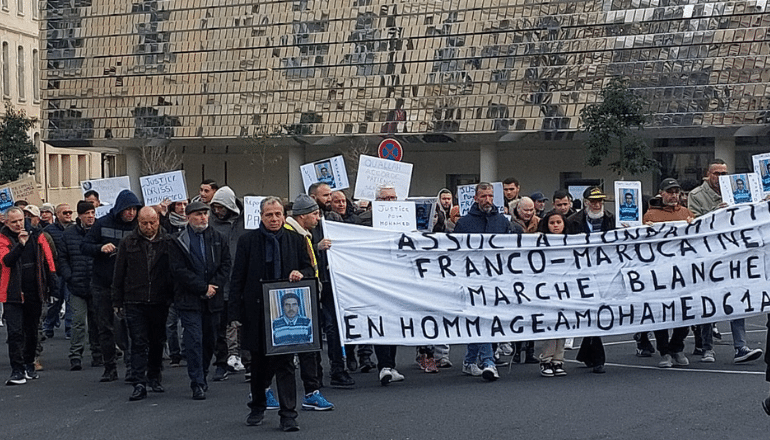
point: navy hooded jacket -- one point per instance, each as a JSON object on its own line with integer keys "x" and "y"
{"x": 109, "y": 229}
{"x": 477, "y": 221}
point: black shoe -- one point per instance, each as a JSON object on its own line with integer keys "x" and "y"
{"x": 531, "y": 359}
{"x": 29, "y": 372}
{"x": 156, "y": 387}
{"x": 367, "y": 365}
{"x": 220, "y": 374}
{"x": 17, "y": 378}
{"x": 176, "y": 361}
{"x": 75, "y": 365}
{"x": 140, "y": 392}
{"x": 110, "y": 375}
{"x": 255, "y": 418}
{"x": 516, "y": 357}
{"x": 97, "y": 362}
{"x": 342, "y": 380}
{"x": 766, "y": 405}
{"x": 289, "y": 425}
{"x": 599, "y": 369}
{"x": 352, "y": 364}
{"x": 198, "y": 393}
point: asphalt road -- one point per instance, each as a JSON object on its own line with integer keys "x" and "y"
{"x": 633, "y": 400}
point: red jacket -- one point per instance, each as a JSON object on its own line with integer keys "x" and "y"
{"x": 10, "y": 267}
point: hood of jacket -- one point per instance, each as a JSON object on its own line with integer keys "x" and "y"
{"x": 226, "y": 197}
{"x": 125, "y": 200}
{"x": 293, "y": 223}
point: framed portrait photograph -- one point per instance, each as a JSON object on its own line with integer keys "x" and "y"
{"x": 628, "y": 204}
{"x": 292, "y": 322}
{"x": 740, "y": 188}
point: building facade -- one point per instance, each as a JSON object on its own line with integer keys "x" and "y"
{"x": 247, "y": 91}
{"x": 57, "y": 171}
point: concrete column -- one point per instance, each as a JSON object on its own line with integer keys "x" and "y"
{"x": 724, "y": 148}
{"x": 133, "y": 168}
{"x": 488, "y": 162}
{"x": 296, "y": 159}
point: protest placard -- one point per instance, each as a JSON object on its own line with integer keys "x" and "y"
{"x": 374, "y": 172}
{"x": 251, "y": 211}
{"x": 158, "y": 187}
{"x": 425, "y": 212}
{"x": 465, "y": 194}
{"x": 108, "y": 190}
{"x": 394, "y": 216}
{"x": 413, "y": 288}
{"x": 628, "y": 204}
{"x": 762, "y": 168}
{"x": 740, "y": 188}
{"x": 22, "y": 189}
{"x": 329, "y": 171}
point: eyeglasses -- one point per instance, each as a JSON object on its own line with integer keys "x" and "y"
{"x": 67, "y": 212}
{"x": 720, "y": 173}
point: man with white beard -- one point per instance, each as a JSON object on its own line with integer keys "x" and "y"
{"x": 592, "y": 219}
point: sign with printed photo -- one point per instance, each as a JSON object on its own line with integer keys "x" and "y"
{"x": 329, "y": 171}
{"x": 740, "y": 188}
{"x": 762, "y": 168}
{"x": 108, "y": 190}
{"x": 291, "y": 318}
{"x": 22, "y": 189}
{"x": 425, "y": 212}
{"x": 628, "y": 204}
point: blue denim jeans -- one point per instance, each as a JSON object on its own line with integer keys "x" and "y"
{"x": 480, "y": 354}
{"x": 200, "y": 332}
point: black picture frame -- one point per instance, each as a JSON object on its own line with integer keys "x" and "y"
{"x": 296, "y": 335}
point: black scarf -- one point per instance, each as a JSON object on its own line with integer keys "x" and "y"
{"x": 272, "y": 250}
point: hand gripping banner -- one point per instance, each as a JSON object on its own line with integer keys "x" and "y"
{"x": 430, "y": 288}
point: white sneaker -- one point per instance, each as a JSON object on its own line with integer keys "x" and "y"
{"x": 235, "y": 362}
{"x": 471, "y": 369}
{"x": 397, "y": 377}
{"x": 490, "y": 373}
{"x": 506, "y": 349}
{"x": 708, "y": 356}
{"x": 568, "y": 343}
{"x": 386, "y": 376}
{"x": 666, "y": 362}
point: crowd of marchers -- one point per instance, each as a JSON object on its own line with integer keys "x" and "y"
{"x": 182, "y": 282}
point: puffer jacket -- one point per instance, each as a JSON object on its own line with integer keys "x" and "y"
{"x": 11, "y": 266}
{"x": 74, "y": 266}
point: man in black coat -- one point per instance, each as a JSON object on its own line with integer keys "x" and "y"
{"x": 76, "y": 269}
{"x": 200, "y": 265}
{"x": 101, "y": 243}
{"x": 142, "y": 290}
{"x": 593, "y": 218}
{"x": 269, "y": 253}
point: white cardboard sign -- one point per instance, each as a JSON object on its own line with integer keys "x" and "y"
{"x": 628, "y": 204}
{"x": 374, "y": 172}
{"x": 251, "y": 211}
{"x": 108, "y": 190}
{"x": 158, "y": 187}
{"x": 394, "y": 216}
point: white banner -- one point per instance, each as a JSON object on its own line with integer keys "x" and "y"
{"x": 158, "y": 187}
{"x": 425, "y": 288}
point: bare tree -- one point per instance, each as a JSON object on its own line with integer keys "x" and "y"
{"x": 159, "y": 157}
{"x": 356, "y": 148}
{"x": 258, "y": 150}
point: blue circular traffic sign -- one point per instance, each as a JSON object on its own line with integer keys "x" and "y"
{"x": 390, "y": 149}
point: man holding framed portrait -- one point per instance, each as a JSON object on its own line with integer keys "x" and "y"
{"x": 270, "y": 253}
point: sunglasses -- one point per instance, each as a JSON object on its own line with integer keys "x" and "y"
{"x": 67, "y": 212}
